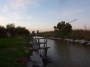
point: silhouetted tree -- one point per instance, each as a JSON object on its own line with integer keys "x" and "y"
{"x": 22, "y": 31}
{"x": 10, "y": 29}
{"x": 37, "y": 32}
{"x": 2, "y": 31}
{"x": 33, "y": 33}
{"x": 62, "y": 29}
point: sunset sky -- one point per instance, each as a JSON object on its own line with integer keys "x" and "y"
{"x": 43, "y": 15}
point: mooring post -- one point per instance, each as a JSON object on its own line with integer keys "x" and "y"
{"x": 39, "y": 42}
{"x": 46, "y": 42}
{"x": 46, "y": 49}
{"x": 45, "y": 52}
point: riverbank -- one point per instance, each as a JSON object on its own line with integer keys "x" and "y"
{"x": 79, "y": 41}
{"x": 13, "y": 51}
{"x": 76, "y": 34}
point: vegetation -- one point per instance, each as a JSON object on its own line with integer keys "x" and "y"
{"x": 46, "y": 34}
{"x": 80, "y": 34}
{"x": 13, "y": 52}
{"x": 11, "y": 31}
{"x": 2, "y": 31}
{"x": 64, "y": 30}
{"x": 14, "y": 46}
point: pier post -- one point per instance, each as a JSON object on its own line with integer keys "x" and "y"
{"x": 45, "y": 52}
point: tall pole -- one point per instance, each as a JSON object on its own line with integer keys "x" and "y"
{"x": 72, "y": 21}
{"x": 69, "y": 22}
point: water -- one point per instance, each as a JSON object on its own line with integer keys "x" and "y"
{"x": 64, "y": 54}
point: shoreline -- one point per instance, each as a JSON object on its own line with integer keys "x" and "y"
{"x": 79, "y": 41}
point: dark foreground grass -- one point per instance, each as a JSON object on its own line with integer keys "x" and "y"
{"x": 13, "y": 52}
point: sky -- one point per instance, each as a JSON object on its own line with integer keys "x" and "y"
{"x": 43, "y": 15}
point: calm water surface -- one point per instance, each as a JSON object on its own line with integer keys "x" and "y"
{"x": 64, "y": 54}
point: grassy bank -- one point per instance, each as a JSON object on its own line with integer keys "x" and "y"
{"x": 80, "y": 34}
{"x": 13, "y": 51}
{"x": 74, "y": 34}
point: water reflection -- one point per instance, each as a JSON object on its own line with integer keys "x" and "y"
{"x": 64, "y": 54}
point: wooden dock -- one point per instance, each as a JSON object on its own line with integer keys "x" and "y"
{"x": 39, "y": 51}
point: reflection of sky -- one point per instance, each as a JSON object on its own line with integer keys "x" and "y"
{"x": 44, "y": 14}
{"x": 65, "y": 54}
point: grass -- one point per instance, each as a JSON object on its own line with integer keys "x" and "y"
{"x": 80, "y": 34}
{"x": 13, "y": 52}
{"x": 75, "y": 34}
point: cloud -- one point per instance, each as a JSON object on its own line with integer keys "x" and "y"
{"x": 17, "y": 20}
{"x": 17, "y": 17}
{"x": 17, "y": 8}
{"x": 14, "y": 10}
{"x": 18, "y": 5}
{"x": 69, "y": 13}
{"x": 3, "y": 20}
{"x": 5, "y": 8}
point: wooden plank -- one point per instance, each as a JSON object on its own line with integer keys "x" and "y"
{"x": 33, "y": 49}
{"x": 40, "y": 38}
{"x": 42, "y": 43}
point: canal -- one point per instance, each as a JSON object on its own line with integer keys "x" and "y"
{"x": 63, "y": 54}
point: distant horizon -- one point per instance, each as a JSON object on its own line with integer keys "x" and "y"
{"x": 46, "y": 30}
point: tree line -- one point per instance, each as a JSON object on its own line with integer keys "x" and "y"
{"x": 61, "y": 30}
{"x": 10, "y": 30}
{"x": 64, "y": 30}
